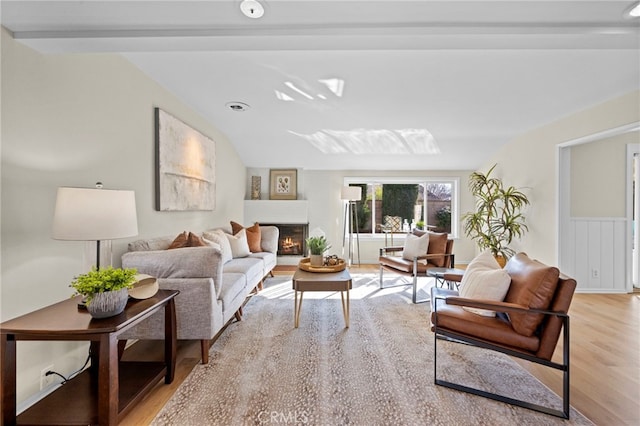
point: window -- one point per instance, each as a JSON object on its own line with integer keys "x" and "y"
{"x": 388, "y": 203}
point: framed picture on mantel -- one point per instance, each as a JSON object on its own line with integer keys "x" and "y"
{"x": 283, "y": 184}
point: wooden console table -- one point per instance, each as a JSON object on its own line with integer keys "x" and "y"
{"x": 104, "y": 393}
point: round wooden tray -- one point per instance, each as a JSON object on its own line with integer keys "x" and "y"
{"x": 305, "y": 265}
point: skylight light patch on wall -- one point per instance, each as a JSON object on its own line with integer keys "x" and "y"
{"x": 373, "y": 141}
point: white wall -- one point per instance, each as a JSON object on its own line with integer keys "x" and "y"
{"x": 321, "y": 189}
{"x": 530, "y": 161}
{"x": 598, "y": 177}
{"x": 72, "y": 120}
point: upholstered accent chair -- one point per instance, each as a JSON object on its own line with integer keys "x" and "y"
{"x": 397, "y": 260}
{"x": 527, "y": 324}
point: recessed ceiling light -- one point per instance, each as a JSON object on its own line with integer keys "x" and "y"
{"x": 635, "y": 11}
{"x": 252, "y": 9}
{"x": 237, "y": 106}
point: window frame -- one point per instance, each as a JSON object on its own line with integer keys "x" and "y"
{"x": 455, "y": 195}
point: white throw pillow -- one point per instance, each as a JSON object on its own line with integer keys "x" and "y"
{"x": 415, "y": 246}
{"x": 219, "y": 237}
{"x": 239, "y": 244}
{"x": 485, "y": 280}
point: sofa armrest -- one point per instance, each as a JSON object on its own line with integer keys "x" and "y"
{"x": 188, "y": 262}
{"x": 269, "y": 238}
{"x": 194, "y": 311}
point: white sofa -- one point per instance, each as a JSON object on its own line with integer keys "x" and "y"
{"x": 212, "y": 292}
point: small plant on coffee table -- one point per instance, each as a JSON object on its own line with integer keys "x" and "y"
{"x": 318, "y": 245}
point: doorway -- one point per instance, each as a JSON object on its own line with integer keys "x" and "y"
{"x": 633, "y": 201}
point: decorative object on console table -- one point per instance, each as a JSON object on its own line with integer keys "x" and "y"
{"x": 283, "y": 184}
{"x": 105, "y": 290}
{"x": 94, "y": 214}
{"x": 185, "y": 166}
{"x": 351, "y": 194}
{"x": 256, "y": 183}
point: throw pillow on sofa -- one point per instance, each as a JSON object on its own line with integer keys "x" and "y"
{"x": 186, "y": 240}
{"x": 180, "y": 241}
{"x": 239, "y": 245}
{"x": 219, "y": 237}
{"x": 484, "y": 280}
{"x": 254, "y": 238}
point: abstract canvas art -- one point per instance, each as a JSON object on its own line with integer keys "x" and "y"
{"x": 185, "y": 166}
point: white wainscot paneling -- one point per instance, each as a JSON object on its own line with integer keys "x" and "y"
{"x": 594, "y": 254}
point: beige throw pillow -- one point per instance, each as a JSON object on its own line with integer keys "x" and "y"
{"x": 484, "y": 280}
{"x": 415, "y": 246}
{"x": 239, "y": 244}
{"x": 219, "y": 237}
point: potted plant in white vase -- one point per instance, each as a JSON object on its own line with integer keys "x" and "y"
{"x": 498, "y": 217}
{"x": 317, "y": 246}
{"x": 106, "y": 290}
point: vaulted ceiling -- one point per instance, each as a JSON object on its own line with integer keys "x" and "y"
{"x": 359, "y": 84}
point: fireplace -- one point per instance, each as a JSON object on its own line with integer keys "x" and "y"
{"x": 291, "y": 241}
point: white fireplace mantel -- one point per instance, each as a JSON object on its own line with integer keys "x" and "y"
{"x": 276, "y": 211}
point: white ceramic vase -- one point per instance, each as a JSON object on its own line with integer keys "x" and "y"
{"x": 316, "y": 260}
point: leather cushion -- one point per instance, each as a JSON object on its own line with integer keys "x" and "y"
{"x": 404, "y": 265}
{"x": 437, "y": 244}
{"x": 253, "y": 235}
{"x": 493, "y": 329}
{"x": 533, "y": 285}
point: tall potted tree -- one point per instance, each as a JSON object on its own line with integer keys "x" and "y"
{"x": 498, "y": 217}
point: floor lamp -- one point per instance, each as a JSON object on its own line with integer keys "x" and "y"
{"x": 351, "y": 194}
{"x": 88, "y": 214}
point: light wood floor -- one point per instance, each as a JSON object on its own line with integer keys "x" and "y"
{"x": 605, "y": 360}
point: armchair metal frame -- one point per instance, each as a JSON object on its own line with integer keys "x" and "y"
{"x": 414, "y": 272}
{"x": 457, "y": 337}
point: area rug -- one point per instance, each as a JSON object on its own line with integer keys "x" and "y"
{"x": 379, "y": 371}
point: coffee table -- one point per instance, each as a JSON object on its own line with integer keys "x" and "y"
{"x": 321, "y": 281}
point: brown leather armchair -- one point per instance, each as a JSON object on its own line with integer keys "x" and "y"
{"x": 439, "y": 255}
{"x": 527, "y": 326}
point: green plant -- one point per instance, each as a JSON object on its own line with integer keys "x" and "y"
{"x": 101, "y": 280}
{"x": 498, "y": 218}
{"x": 443, "y": 218}
{"x": 318, "y": 245}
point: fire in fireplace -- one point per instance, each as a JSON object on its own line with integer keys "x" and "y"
{"x": 291, "y": 241}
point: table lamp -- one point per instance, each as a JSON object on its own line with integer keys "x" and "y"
{"x": 94, "y": 214}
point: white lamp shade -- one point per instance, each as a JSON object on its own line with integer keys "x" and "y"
{"x": 87, "y": 214}
{"x": 351, "y": 193}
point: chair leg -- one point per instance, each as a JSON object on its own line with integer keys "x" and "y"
{"x": 204, "y": 351}
{"x": 381, "y": 269}
{"x": 496, "y": 397}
